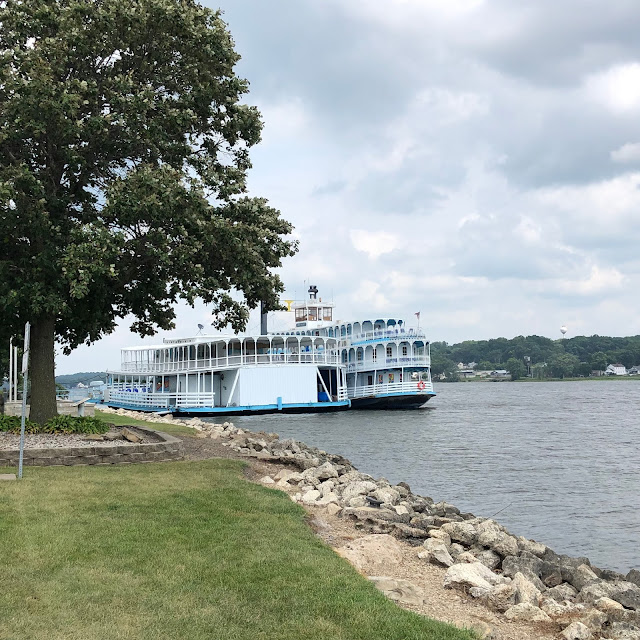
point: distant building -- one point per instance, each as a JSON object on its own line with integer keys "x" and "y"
{"x": 634, "y": 371}
{"x": 616, "y": 370}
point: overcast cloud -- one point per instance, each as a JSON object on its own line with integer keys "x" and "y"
{"x": 475, "y": 161}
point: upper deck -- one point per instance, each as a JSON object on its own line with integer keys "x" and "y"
{"x": 227, "y": 352}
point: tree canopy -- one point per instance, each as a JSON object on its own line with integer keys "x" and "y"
{"x": 124, "y": 148}
{"x": 563, "y": 357}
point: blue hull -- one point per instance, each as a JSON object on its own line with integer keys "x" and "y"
{"x": 310, "y": 407}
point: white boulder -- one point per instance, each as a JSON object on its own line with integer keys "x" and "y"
{"x": 465, "y": 576}
{"x": 526, "y": 612}
{"x": 576, "y": 631}
{"x": 399, "y": 590}
{"x": 373, "y": 553}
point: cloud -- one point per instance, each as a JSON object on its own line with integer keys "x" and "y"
{"x": 617, "y": 88}
{"x": 607, "y": 204}
{"x": 369, "y": 296}
{"x": 476, "y": 160}
{"x": 627, "y": 153}
{"x": 374, "y": 243}
{"x": 283, "y": 120}
{"x": 600, "y": 281}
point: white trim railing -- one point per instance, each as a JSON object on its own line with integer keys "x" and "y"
{"x": 201, "y": 399}
{"x": 410, "y": 333}
{"x": 412, "y": 386}
{"x": 233, "y": 361}
{"x": 382, "y": 363}
{"x": 165, "y": 400}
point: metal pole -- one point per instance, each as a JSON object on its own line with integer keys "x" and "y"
{"x": 10, "y": 369}
{"x": 25, "y": 375}
{"x": 15, "y": 374}
{"x": 263, "y": 320}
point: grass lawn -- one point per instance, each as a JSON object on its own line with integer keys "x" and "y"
{"x": 178, "y": 550}
{"x": 118, "y": 420}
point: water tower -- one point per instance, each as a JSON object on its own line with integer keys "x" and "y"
{"x": 563, "y": 331}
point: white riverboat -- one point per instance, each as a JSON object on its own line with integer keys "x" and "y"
{"x": 318, "y": 365}
{"x": 387, "y": 363}
{"x": 231, "y": 375}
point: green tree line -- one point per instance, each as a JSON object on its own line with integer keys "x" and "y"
{"x": 537, "y": 355}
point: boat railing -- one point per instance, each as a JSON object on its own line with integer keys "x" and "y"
{"x": 400, "y": 361}
{"x": 199, "y": 399}
{"x": 282, "y": 356}
{"x": 409, "y": 386}
{"x": 395, "y": 334}
{"x": 343, "y": 393}
{"x": 141, "y": 397}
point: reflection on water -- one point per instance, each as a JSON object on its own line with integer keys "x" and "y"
{"x": 557, "y": 460}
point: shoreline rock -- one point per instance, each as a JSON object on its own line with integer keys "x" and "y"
{"x": 520, "y": 579}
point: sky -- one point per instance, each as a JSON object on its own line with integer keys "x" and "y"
{"x": 476, "y": 161}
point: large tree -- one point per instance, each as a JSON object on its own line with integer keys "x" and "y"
{"x": 123, "y": 157}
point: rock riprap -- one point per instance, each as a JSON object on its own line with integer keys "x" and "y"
{"x": 521, "y": 579}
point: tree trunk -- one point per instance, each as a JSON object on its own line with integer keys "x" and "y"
{"x": 42, "y": 370}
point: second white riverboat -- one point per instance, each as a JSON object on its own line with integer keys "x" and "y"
{"x": 387, "y": 363}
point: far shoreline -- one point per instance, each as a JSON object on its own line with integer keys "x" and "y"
{"x": 589, "y": 379}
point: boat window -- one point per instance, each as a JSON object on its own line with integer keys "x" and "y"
{"x": 389, "y": 352}
{"x": 375, "y": 355}
{"x": 326, "y": 314}
{"x": 313, "y": 313}
{"x": 359, "y": 354}
{"x": 404, "y": 351}
{"x": 301, "y": 314}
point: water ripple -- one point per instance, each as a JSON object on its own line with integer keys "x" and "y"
{"x": 558, "y": 460}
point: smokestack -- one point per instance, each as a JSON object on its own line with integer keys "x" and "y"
{"x": 263, "y": 320}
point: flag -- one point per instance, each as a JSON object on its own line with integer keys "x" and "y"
{"x": 417, "y": 315}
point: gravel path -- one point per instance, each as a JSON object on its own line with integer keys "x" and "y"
{"x": 9, "y": 441}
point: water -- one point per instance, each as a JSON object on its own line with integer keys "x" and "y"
{"x": 556, "y": 461}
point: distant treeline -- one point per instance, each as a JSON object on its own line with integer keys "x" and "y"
{"x": 541, "y": 357}
{"x": 72, "y": 379}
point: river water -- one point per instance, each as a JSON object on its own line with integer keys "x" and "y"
{"x": 553, "y": 461}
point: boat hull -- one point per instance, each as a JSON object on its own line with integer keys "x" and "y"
{"x": 392, "y": 401}
{"x": 311, "y": 407}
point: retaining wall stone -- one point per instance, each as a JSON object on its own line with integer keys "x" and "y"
{"x": 169, "y": 448}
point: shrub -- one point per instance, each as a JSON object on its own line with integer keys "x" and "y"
{"x": 11, "y": 424}
{"x": 72, "y": 424}
{"x": 59, "y": 424}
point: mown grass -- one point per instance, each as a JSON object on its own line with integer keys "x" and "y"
{"x": 178, "y": 550}
{"x": 119, "y": 420}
